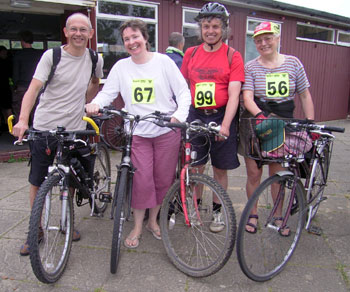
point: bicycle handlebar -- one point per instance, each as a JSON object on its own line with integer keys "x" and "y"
{"x": 59, "y": 131}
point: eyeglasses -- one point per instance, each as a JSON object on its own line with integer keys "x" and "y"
{"x": 74, "y": 29}
{"x": 266, "y": 39}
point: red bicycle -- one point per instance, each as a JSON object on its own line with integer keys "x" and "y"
{"x": 187, "y": 211}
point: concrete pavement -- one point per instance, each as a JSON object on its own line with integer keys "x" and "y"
{"x": 320, "y": 263}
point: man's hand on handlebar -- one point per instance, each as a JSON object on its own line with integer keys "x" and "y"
{"x": 19, "y": 130}
{"x": 92, "y": 109}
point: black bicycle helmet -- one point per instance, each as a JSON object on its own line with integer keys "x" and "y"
{"x": 213, "y": 9}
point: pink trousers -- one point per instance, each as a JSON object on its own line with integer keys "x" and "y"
{"x": 155, "y": 161}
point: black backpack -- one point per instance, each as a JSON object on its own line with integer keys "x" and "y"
{"x": 56, "y": 57}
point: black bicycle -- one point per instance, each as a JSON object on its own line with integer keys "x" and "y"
{"x": 287, "y": 200}
{"x": 52, "y": 216}
{"x": 121, "y": 203}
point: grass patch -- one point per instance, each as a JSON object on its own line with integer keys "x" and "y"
{"x": 340, "y": 268}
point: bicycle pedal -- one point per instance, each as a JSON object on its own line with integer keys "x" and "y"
{"x": 315, "y": 230}
{"x": 105, "y": 197}
{"x": 323, "y": 199}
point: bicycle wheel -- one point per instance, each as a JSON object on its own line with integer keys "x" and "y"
{"x": 262, "y": 255}
{"x": 120, "y": 213}
{"x": 49, "y": 256}
{"x": 113, "y": 132}
{"x": 317, "y": 184}
{"x": 194, "y": 249}
{"x": 101, "y": 176}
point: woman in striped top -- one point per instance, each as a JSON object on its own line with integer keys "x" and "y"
{"x": 272, "y": 81}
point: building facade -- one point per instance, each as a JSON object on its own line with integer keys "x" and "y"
{"x": 320, "y": 40}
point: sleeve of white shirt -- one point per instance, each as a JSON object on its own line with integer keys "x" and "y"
{"x": 109, "y": 91}
{"x": 180, "y": 89}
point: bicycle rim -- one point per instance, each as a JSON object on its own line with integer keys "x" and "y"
{"x": 101, "y": 176}
{"x": 317, "y": 186}
{"x": 194, "y": 249}
{"x": 264, "y": 254}
{"x": 113, "y": 133}
{"x": 49, "y": 257}
{"x": 119, "y": 219}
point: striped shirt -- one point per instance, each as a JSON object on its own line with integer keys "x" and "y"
{"x": 274, "y": 87}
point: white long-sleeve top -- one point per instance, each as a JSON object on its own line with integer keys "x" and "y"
{"x": 164, "y": 78}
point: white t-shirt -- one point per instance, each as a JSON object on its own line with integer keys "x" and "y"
{"x": 62, "y": 103}
{"x": 163, "y": 80}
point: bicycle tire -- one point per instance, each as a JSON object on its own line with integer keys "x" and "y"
{"x": 195, "y": 250}
{"x": 317, "y": 184}
{"x": 47, "y": 213}
{"x": 113, "y": 133}
{"x": 119, "y": 218}
{"x": 264, "y": 254}
{"x": 101, "y": 177}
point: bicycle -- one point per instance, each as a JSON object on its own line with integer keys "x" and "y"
{"x": 286, "y": 200}
{"x": 121, "y": 201}
{"x": 52, "y": 216}
{"x": 187, "y": 212}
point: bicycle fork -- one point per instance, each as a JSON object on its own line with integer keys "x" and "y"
{"x": 279, "y": 202}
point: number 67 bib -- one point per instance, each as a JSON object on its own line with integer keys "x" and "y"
{"x": 142, "y": 91}
{"x": 277, "y": 85}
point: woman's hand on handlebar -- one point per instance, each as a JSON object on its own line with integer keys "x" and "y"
{"x": 19, "y": 130}
{"x": 174, "y": 120}
{"x": 92, "y": 109}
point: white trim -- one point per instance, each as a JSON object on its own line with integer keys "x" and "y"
{"x": 314, "y": 41}
{"x": 84, "y": 3}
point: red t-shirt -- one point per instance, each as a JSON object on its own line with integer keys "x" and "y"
{"x": 212, "y": 67}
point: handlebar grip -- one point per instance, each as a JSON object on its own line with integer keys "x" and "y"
{"x": 85, "y": 132}
{"x": 9, "y": 122}
{"x": 93, "y": 124}
{"x": 176, "y": 125}
{"x": 334, "y": 129}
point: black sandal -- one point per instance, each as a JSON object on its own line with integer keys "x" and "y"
{"x": 281, "y": 229}
{"x": 252, "y": 216}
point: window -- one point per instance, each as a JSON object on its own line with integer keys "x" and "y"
{"x": 5, "y": 43}
{"x": 314, "y": 33}
{"x": 250, "y": 49}
{"x": 343, "y": 38}
{"x": 110, "y": 15}
{"x": 190, "y": 29}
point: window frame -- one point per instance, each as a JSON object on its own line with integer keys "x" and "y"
{"x": 122, "y": 18}
{"x": 315, "y": 40}
{"x": 340, "y": 43}
{"x": 189, "y": 25}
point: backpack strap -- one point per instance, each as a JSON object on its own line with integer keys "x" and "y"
{"x": 230, "y": 52}
{"x": 94, "y": 59}
{"x": 56, "y": 57}
{"x": 194, "y": 51}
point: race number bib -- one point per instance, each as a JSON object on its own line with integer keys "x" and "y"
{"x": 277, "y": 85}
{"x": 142, "y": 91}
{"x": 205, "y": 94}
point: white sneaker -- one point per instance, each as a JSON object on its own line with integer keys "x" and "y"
{"x": 217, "y": 224}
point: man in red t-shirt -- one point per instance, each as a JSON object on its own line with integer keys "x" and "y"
{"x": 215, "y": 73}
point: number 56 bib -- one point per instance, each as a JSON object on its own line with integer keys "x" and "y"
{"x": 277, "y": 85}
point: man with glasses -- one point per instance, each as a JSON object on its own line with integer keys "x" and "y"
{"x": 62, "y": 102}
